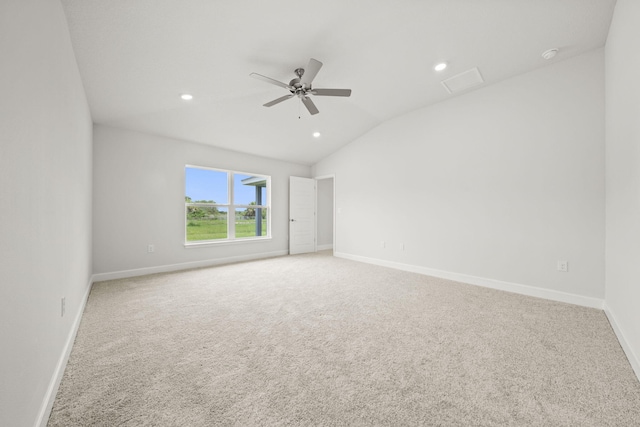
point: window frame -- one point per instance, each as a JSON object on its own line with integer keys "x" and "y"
{"x": 230, "y": 206}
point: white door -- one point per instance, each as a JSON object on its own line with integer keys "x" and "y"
{"x": 302, "y": 211}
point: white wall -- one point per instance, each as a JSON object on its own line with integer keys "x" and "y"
{"x": 623, "y": 177}
{"x": 139, "y": 200}
{"x": 499, "y": 183}
{"x": 324, "y": 213}
{"x": 45, "y": 205}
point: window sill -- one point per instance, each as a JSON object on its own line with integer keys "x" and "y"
{"x": 210, "y": 243}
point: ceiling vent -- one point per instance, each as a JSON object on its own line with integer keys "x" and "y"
{"x": 463, "y": 81}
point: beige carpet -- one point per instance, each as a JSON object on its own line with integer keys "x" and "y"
{"x": 314, "y": 340}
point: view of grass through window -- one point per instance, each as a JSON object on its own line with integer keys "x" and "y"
{"x": 212, "y": 194}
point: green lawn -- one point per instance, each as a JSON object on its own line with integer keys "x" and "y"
{"x": 212, "y": 229}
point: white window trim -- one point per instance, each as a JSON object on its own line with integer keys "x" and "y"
{"x": 231, "y": 210}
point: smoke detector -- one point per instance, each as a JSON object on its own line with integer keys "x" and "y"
{"x": 548, "y": 54}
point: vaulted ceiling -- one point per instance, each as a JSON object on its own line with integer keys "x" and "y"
{"x": 136, "y": 57}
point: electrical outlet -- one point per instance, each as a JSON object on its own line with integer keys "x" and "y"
{"x": 563, "y": 266}
{"x": 63, "y": 308}
{"x": 151, "y": 248}
{"x": 402, "y": 246}
{"x": 383, "y": 244}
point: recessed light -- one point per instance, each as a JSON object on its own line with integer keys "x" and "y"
{"x": 548, "y": 54}
{"x": 441, "y": 66}
{"x": 316, "y": 134}
{"x": 186, "y": 96}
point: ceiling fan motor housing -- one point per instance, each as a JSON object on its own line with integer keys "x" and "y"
{"x": 295, "y": 83}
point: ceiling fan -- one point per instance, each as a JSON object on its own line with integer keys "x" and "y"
{"x": 301, "y": 86}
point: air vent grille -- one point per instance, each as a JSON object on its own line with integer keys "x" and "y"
{"x": 463, "y": 81}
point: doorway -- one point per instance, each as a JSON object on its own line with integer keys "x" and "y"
{"x": 325, "y": 213}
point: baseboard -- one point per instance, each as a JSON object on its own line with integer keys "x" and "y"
{"x": 324, "y": 247}
{"x": 484, "y": 282}
{"x": 633, "y": 358}
{"x": 123, "y": 274}
{"x": 56, "y": 379}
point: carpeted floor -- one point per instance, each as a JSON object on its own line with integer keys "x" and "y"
{"x": 314, "y": 340}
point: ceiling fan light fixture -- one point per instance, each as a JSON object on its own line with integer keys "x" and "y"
{"x": 186, "y": 97}
{"x": 440, "y": 67}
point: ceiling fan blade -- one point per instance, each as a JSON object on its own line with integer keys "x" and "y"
{"x": 310, "y": 105}
{"x": 279, "y": 100}
{"x": 331, "y": 92}
{"x": 270, "y": 80}
{"x": 310, "y": 72}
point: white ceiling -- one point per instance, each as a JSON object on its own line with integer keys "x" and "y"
{"x": 137, "y": 56}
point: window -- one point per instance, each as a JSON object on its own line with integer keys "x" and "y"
{"x": 222, "y": 206}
